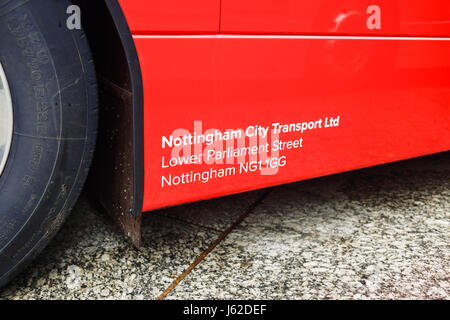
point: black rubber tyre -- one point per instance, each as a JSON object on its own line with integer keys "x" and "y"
{"x": 52, "y": 81}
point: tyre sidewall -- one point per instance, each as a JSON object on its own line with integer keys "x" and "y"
{"x": 48, "y": 84}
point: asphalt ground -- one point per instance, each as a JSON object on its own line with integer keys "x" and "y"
{"x": 377, "y": 233}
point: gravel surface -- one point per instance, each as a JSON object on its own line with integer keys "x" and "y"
{"x": 381, "y": 232}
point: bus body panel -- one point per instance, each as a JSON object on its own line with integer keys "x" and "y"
{"x": 350, "y": 17}
{"x": 172, "y": 16}
{"x": 391, "y": 103}
{"x": 366, "y": 96}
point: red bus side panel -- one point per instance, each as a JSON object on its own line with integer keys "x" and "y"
{"x": 172, "y": 16}
{"x": 396, "y": 17}
{"x": 308, "y": 88}
{"x": 345, "y": 103}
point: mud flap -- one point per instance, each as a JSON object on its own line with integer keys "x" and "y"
{"x": 117, "y": 175}
{"x": 114, "y": 158}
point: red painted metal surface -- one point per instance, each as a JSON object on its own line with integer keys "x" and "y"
{"x": 172, "y": 16}
{"x": 392, "y": 104}
{"x": 367, "y": 100}
{"x": 397, "y": 17}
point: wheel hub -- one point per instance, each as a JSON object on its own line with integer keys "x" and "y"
{"x": 6, "y": 119}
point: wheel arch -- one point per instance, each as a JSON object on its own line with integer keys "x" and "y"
{"x": 117, "y": 176}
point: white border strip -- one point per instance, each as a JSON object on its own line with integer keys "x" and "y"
{"x": 231, "y": 36}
